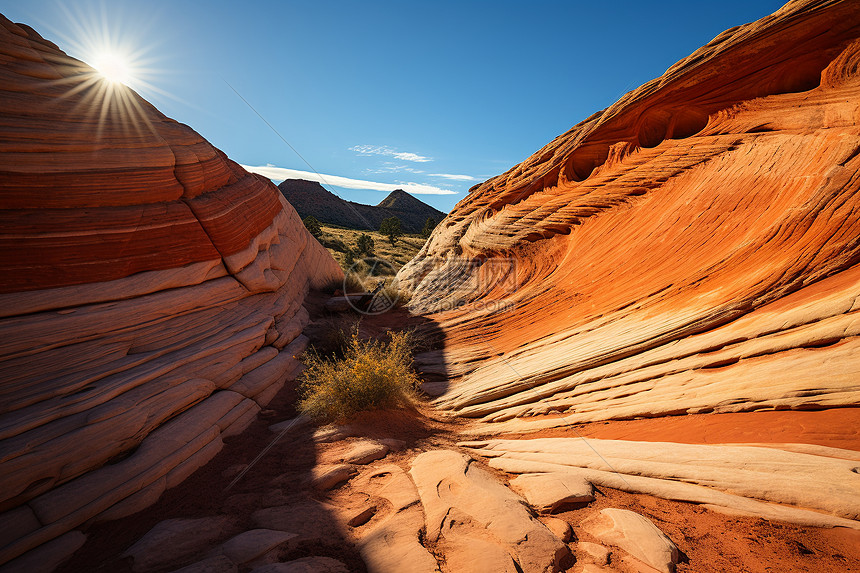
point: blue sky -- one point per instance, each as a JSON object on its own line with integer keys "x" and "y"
{"x": 432, "y": 97}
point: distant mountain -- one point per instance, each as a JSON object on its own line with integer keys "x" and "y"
{"x": 400, "y": 200}
{"x": 311, "y": 198}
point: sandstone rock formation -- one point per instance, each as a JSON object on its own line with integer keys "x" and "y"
{"x": 477, "y": 522}
{"x": 816, "y": 487}
{"x": 150, "y": 296}
{"x": 692, "y": 248}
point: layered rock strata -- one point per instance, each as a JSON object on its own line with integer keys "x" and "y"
{"x": 150, "y": 295}
{"x": 792, "y": 483}
{"x": 692, "y": 248}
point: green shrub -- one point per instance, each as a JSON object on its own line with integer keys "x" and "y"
{"x": 364, "y": 244}
{"x": 372, "y": 375}
{"x": 313, "y": 226}
{"x": 333, "y": 243}
{"x": 429, "y": 225}
{"x": 391, "y": 228}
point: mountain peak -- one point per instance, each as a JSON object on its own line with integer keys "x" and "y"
{"x": 311, "y": 198}
{"x": 401, "y": 200}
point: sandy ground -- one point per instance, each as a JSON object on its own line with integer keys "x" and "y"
{"x": 836, "y": 428}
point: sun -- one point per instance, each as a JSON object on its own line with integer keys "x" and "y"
{"x": 113, "y": 68}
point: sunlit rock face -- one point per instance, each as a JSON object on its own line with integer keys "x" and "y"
{"x": 692, "y": 248}
{"x": 150, "y": 295}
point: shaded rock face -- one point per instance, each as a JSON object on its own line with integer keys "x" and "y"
{"x": 692, "y": 248}
{"x": 150, "y": 296}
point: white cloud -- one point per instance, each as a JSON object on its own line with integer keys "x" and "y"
{"x": 389, "y": 167}
{"x": 453, "y": 177}
{"x": 281, "y": 173}
{"x": 412, "y": 157}
{"x": 389, "y": 152}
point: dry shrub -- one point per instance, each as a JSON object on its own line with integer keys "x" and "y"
{"x": 372, "y": 375}
{"x": 391, "y": 292}
{"x": 352, "y": 283}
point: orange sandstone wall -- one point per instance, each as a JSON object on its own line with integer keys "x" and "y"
{"x": 150, "y": 296}
{"x": 692, "y": 248}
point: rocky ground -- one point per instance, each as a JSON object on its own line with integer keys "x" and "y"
{"x": 403, "y": 491}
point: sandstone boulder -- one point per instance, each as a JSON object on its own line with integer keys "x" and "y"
{"x": 174, "y": 541}
{"x": 249, "y": 545}
{"x": 809, "y": 486}
{"x": 393, "y": 541}
{"x": 594, "y": 552}
{"x": 550, "y": 491}
{"x": 636, "y": 535}
{"x": 311, "y": 520}
{"x": 464, "y": 505}
{"x": 328, "y": 476}
{"x": 328, "y": 434}
{"x": 365, "y": 451}
{"x": 389, "y": 482}
{"x": 395, "y": 545}
{"x": 559, "y": 527}
{"x": 293, "y": 423}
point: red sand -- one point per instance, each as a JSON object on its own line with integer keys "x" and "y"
{"x": 715, "y": 543}
{"x": 836, "y": 428}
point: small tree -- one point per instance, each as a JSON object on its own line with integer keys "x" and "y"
{"x": 313, "y": 226}
{"x": 429, "y": 225}
{"x": 349, "y": 257}
{"x": 364, "y": 244}
{"x": 390, "y": 227}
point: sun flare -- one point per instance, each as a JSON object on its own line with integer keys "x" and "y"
{"x": 113, "y": 68}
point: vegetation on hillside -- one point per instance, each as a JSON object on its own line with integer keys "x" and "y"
{"x": 364, "y": 244}
{"x": 391, "y": 229}
{"x": 340, "y": 242}
{"x": 348, "y": 257}
{"x": 313, "y": 226}
{"x": 429, "y": 225}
